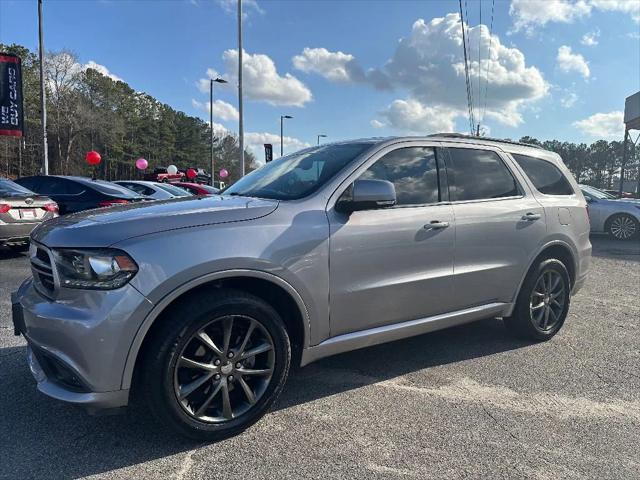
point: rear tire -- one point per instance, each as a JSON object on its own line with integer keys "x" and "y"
{"x": 622, "y": 226}
{"x": 543, "y": 302}
{"x": 209, "y": 342}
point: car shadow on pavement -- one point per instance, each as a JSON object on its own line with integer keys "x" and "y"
{"x": 44, "y": 438}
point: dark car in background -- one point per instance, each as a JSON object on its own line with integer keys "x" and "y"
{"x": 74, "y": 194}
{"x": 202, "y": 176}
{"x": 154, "y": 190}
{"x": 198, "y": 189}
{"x": 161, "y": 174}
{"x": 21, "y": 211}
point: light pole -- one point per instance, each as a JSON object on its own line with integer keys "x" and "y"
{"x": 240, "y": 110}
{"x": 282, "y": 117}
{"x": 322, "y": 135}
{"x": 43, "y": 94}
{"x": 216, "y": 80}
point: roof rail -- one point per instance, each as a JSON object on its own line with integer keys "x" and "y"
{"x": 489, "y": 139}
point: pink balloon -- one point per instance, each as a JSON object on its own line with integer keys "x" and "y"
{"x": 141, "y": 164}
{"x": 224, "y": 173}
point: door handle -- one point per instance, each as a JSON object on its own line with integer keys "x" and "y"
{"x": 436, "y": 225}
{"x": 530, "y": 217}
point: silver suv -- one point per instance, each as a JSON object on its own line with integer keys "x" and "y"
{"x": 202, "y": 304}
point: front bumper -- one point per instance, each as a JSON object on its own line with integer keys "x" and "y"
{"x": 78, "y": 346}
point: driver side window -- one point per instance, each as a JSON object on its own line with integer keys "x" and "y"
{"x": 412, "y": 170}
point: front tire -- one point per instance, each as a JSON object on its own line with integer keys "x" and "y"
{"x": 543, "y": 302}
{"x": 623, "y": 227}
{"x": 216, "y": 364}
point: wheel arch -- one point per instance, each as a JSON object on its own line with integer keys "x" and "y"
{"x": 271, "y": 288}
{"x": 554, "y": 249}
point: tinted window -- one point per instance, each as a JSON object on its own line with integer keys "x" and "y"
{"x": 299, "y": 174}
{"x": 413, "y": 171}
{"x": 138, "y": 188}
{"x": 9, "y": 188}
{"x": 58, "y": 186}
{"x": 545, "y": 176}
{"x": 173, "y": 190}
{"x": 30, "y": 183}
{"x": 478, "y": 174}
{"x": 109, "y": 188}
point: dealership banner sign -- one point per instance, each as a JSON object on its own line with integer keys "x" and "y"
{"x": 11, "y": 106}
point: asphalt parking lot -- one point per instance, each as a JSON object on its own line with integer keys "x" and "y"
{"x": 468, "y": 402}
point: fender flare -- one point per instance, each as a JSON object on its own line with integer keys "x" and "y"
{"x": 574, "y": 256}
{"x": 159, "y": 307}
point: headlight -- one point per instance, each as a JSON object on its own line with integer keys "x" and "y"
{"x": 99, "y": 269}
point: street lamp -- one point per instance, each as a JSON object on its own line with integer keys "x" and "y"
{"x": 322, "y": 135}
{"x": 213, "y": 80}
{"x": 282, "y": 117}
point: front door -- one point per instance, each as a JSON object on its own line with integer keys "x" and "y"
{"x": 394, "y": 264}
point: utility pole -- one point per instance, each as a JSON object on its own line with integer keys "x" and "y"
{"x": 240, "y": 119}
{"x": 43, "y": 95}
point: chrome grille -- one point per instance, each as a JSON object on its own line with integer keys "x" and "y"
{"x": 41, "y": 268}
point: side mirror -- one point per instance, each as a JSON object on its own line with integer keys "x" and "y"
{"x": 589, "y": 199}
{"x": 367, "y": 195}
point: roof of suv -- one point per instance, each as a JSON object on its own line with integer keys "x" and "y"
{"x": 505, "y": 145}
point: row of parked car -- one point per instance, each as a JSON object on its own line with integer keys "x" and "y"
{"x": 28, "y": 201}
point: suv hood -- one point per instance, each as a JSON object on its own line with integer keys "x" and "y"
{"x": 106, "y": 226}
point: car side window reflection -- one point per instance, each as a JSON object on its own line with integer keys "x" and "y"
{"x": 412, "y": 170}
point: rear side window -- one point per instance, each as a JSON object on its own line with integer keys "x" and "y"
{"x": 478, "y": 174}
{"x": 412, "y": 170}
{"x": 545, "y": 176}
{"x": 58, "y": 186}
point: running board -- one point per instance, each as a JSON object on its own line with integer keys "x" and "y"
{"x": 397, "y": 331}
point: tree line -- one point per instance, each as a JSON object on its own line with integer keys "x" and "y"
{"x": 87, "y": 110}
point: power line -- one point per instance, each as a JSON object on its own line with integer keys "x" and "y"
{"x": 466, "y": 70}
{"x": 479, "y": 61}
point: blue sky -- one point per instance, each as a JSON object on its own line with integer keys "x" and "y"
{"x": 558, "y": 68}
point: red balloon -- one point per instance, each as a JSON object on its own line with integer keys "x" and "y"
{"x": 191, "y": 173}
{"x": 93, "y": 157}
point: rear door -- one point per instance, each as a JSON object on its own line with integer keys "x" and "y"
{"x": 499, "y": 224}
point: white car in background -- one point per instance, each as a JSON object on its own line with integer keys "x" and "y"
{"x": 155, "y": 190}
{"x": 618, "y": 217}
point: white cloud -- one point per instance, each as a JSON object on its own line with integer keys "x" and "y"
{"x": 569, "y": 100}
{"x": 256, "y": 140}
{"x": 334, "y": 66}
{"x": 568, "y": 61}
{"x": 527, "y": 14}
{"x": 429, "y": 64}
{"x": 221, "y": 109}
{"x": 630, "y": 7}
{"x": 203, "y": 84}
{"x": 102, "y": 69}
{"x": 377, "y": 123}
{"x": 261, "y": 80}
{"x": 412, "y": 116}
{"x": 603, "y": 125}
{"x": 591, "y": 39}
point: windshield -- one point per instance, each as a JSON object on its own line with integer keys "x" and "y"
{"x": 9, "y": 188}
{"x": 299, "y": 174}
{"x": 597, "y": 193}
{"x": 173, "y": 190}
